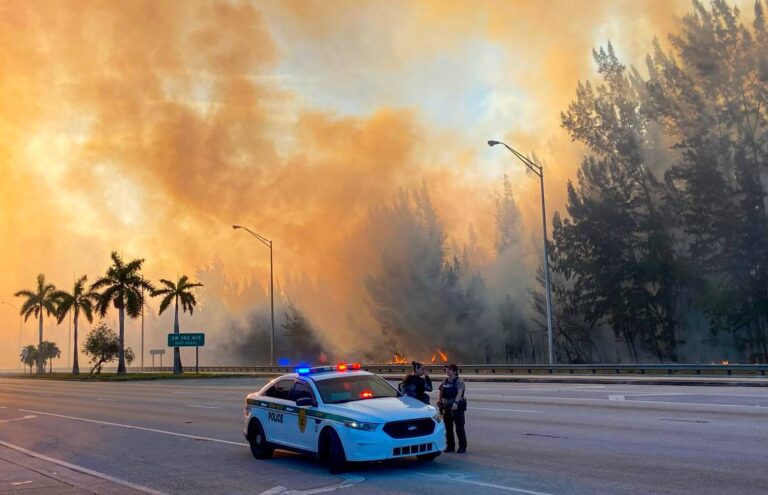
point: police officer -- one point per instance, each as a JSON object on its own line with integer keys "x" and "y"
{"x": 452, "y": 405}
{"x": 417, "y": 384}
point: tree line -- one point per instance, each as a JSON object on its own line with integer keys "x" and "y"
{"x": 665, "y": 241}
{"x": 123, "y": 288}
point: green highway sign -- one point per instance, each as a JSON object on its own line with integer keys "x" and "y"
{"x": 186, "y": 339}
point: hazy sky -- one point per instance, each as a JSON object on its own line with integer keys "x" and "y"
{"x": 149, "y": 127}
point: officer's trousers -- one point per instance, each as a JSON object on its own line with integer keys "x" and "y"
{"x": 451, "y": 418}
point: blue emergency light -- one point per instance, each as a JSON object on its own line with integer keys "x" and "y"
{"x": 305, "y": 370}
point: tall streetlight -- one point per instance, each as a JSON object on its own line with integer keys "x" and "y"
{"x": 267, "y": 243}
{"x": 538, "y": 170}
{"x": 20, "y": 324}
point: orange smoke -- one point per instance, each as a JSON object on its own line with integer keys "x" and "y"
{"x": 150, "y": 127}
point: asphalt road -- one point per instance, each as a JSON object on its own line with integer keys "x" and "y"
{"x": 185, "y": 437}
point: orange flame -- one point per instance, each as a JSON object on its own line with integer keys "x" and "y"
{"x": 398, "y": 359}
{"x": 443, "y": 356}
{"x": 724, "y": 361}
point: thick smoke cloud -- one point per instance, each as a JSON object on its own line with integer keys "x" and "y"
{"x": 150, "y": 127}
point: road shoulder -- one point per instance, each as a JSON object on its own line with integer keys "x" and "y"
{"x": 26, "y": 472}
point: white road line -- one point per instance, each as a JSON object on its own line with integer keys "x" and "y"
{"x": 131, "y": 427}
{"x": 29, "y": 416}
{"x": 81, "y": 469}
{"x": 616, "y": 397}
{"x": 504, "y": 410}
{"x": 584, "y": 399}
{"x": 106, "y": 400}
{"x": 348, "y": 482}
{"x": 203, "y": 407}
{"x": 461, "y": 479}
{"x": 559, "y": 388}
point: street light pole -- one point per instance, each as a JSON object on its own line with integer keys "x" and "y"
{"x": 539, "y": 171}
{"x": 21, "y": 321}
{"x": 267, "y": 243}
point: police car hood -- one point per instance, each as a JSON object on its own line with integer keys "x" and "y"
{"x": 383, "y": 409}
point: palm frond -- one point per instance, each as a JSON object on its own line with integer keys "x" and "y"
{"x": 87, "y": 307}
{"x": 24, "y": 293}
{"x": 167, "y": 300}
{"x": 132, "y": 303}
{"x": 102, "y": 282}
{"x": 134, "y": 266}
{"x": 50, "y": 307}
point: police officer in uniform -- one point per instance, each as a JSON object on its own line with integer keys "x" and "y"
{"x": 417, "y": 384}
{"x": 452, "y": 405}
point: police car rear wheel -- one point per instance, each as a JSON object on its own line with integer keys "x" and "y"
{"x": 260, "y": 448}
{"x": 337, "y": 460}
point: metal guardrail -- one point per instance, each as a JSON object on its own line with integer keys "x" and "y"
{"x": 518, "y": 369}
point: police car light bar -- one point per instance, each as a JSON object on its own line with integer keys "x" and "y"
{"x": 306, "y": 370}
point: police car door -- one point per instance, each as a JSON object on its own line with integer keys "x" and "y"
{"x": 275, "y": 418}
{"x": 303, "y": 428}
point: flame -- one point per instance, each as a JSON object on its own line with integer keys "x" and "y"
{"x": 724, "y": 361}
{"x": 443, "y": 356}
{"x": 398, "y": 359}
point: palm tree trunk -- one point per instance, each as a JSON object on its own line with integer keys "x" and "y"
{"x": 121, "y": 353}
{"x": 177, "y": 369}
{"x": 75, "y": 365}
{"x": 40, "y": 362}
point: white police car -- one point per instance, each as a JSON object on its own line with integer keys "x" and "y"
{"x": 339, "y": 414}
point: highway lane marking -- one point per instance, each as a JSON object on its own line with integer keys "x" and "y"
{"x": 616, "y": 397}
{"x": 461, "y": 479}
{"x": 538, "y": 389}
{"x": 242, "y": 444}
{"x": 29, "y": 416}
{"x": 203, "y": 407}
{"x": 142, "y": 428}
{"x": 81, "y": 469}
{"x": 504, "y": 410}
{"x": 106, "y": 400}
{"x": 583, "y": 399}
{"x": 349, "y": 481}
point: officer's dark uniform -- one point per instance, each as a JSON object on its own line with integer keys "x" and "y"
{"x": 449, "y": 391}
{"x": 417, "y": 387}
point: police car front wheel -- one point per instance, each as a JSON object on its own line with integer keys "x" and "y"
{"x": 335, "y": 457}
{"x": 260, "y": 448}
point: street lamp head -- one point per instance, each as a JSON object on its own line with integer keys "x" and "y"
{"x": 236, "y": 227}
{"x": 493, "y": 143}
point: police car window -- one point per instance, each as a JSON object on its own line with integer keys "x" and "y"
{"x": 300, "y": 390}
{"x": 280, "y": 390}
{"x": 354, "y": 387}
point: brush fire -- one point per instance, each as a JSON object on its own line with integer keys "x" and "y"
{"x": 438, "y": 356}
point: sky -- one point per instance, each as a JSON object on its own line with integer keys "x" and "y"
{"x": 150, "y": 127}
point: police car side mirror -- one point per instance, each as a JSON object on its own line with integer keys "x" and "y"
{"x": 305, "y": 402}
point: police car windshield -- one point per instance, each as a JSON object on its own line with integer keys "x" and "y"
{"x": 354, "y": 387}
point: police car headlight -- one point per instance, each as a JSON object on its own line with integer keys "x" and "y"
{"x": 359, "y": 425}
{"x": 438, "y": 417}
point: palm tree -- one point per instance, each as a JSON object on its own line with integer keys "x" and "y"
{"x": 29, "y": 356}
{"x": 80, "y": 299}
{"x": 122, "y": 287}
{"x": 39, "y": 300}
{"x": 49, "y": 351}
{"x": 180, "y": 291}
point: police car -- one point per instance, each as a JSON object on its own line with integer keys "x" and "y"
{"x": 340, "y": 414}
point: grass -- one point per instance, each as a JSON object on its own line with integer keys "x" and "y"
{"x": 114, "y": 377}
